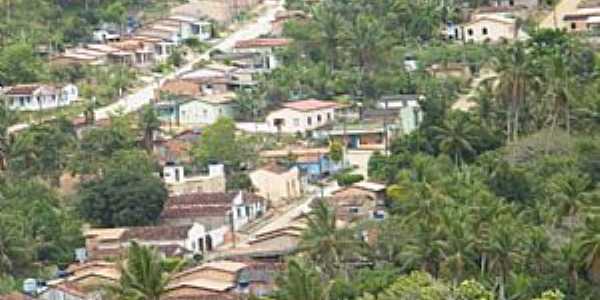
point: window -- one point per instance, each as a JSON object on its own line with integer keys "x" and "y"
{"x": 328, "y": 116}
{"x": 309, "y": 121}
{"x": 319, "y": 119}
{"x": 511, "y": 2}
{"x": 239, "y": 212}
{"x": 470, "y": 31}
{"x": 484, "y": 31}
{"x": 248, "y": 211}
{"x": 353, "y": 210}
{"x": 296, "y": 122}
{"x": 573, "y": 25}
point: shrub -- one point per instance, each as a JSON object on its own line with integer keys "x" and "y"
{"x": 348, "y": 179}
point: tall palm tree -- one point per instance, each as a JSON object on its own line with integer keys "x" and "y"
{"x": 144, "y": 276}
{"x": 7, "y": 118}
{"x": 454, "y": 137}
{"x": 513, "y": 77}
{"x": 150, "y": 124}
{"x": 325, "y": 242}
{"x": 589, "y": 248}
{"x": 330, "y": 25}
{"x": 503, "y": 246}
{"x": 301, "y": 281}
{"x": 568, "y": 193}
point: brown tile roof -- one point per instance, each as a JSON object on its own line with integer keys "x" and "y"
{"x": 203, "y": 204}
{"x": 71, "y": 288}
{"x": 276, "y": 168}
{"x": 157, "y": 233}
{"x": 203, "y": 297}
{"x": 23, "y": 89}
{"x": 260, "y": 43}
{"x": 15, "y": 296}
{"x": 310, "y": 105}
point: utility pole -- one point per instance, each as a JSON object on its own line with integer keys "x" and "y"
{"x": 232, "y": 227}
{"x": 385, "y": 125}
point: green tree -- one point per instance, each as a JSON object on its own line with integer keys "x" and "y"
{"x": 220, "y": 144}
{"x": 589, "y": 247}
{"x": 149, "y": 124}
{"x": 301, "y": 281}
{"x": 124, "y": 196}
{"x": 7, "y": 118}
{"x": 143, "y": 274}
{"x": 19, "y": 64}
{"x": 455, "y": 137}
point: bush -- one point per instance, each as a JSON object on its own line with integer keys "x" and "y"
{"x": 348, "y": 179}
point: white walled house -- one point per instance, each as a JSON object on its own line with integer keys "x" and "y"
{"x": 35, "y": 97}
{"x": 277, "y": 183}
{"x": 265, "y": 48}
{"x": 191, "y": 27}
{"x": 491, "y": 28}
{"x": 178, "y": 183}
{"x": 301, "y": 116}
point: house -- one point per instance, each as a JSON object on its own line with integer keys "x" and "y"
{"x": 409, "y": 108}
{"x": 91, "y": 274}
{"x": 35, "y": 97}
{"x": 191, "y": 27}
{"x": 221, "y": 11}
{"x": 492, "y": 28}
{"x": 265, "y": 47}
{"x": 317, "y": 166}
{"x": 181, "y": 241}
{"x": 360, "y": 136}
{"x": 277, "y": 183}
{"x": 516, "y": 3}
{"x": 178, "y": 183}
{"x": 300, "y": 117}
{"x": 105, "y": 36}
{"x": 216, "y": 211}
{"x": 66, "y": 290}
{"x": 361, "y": 201}
{"x": 199, "y": 110}
{"x": 585, "y": 18}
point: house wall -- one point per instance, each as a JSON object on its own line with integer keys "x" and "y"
{"x": 496, "y": 31}
{"x": 56, "y": 294}
{"x": 268, "y": 60}
{"x": 199, "y": 112}
{"x": 527, "y": 3}
{"x": 37, "y": 101}
{"x": 299, "y": 121}
{"x": 277, "y": 187}
{"x": 277, "y": 242}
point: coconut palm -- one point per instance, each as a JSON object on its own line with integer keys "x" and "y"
{"x": 568, "y": 193}
{"x": 455, "y": 137}
{"x": 330, "y": 25}
{"x": 589, "y": 248}
{"x": 149, "y": 123}
{"x": 144, "y": 276}
{"x": 325, "y": 242}
{"x": 7, "y": 118}
{"x": 301, "y": 281}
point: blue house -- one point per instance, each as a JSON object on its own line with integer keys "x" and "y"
{"x": 317, "y": 166}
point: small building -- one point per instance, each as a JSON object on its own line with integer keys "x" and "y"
{"x": 90, "y": 275}
{"x": 180, "y": 241}
{"x": 317, "y": 166}
{"x": 492, "y": 28}
{"x": 216, "y": 211}
{"x": 300, "y": 117}
{"x": 191, "y": 27}
{"x": 409, "y": 109}
{"x": 265, "y": 47}
{"x": 65, "y": 290}
{"x": 36, "y": 97}
{"x": 196, "y": 111}
{"x": 361, "y": 201}
{"x": 277, "y": 183}
{"x": 178, "y": 183}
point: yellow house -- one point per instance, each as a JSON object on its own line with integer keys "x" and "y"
{"x": 277, "y": 183}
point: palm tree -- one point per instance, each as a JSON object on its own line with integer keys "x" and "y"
{"x": 301, "y": 281}
{"x": 569, "y": 255}
{"x": 513, "y": 76}
{"x": 454, "y": 137}
{"x": 324, "y": 242}
{"x": 144, "y": 276}
{"x": 503, "y": 246}
{"x": 149, "y": 123}
{"x": 568, "y": 192}
{"x": 7, "y": 118}
{"x": 589, "y": 248}
{"x": 330, "y": 26}
{"x": 457, "y": 248}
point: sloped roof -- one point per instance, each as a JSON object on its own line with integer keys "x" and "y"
{"x": 157, "y": 233}
{"x": 262, "y": 43}
{"x": 22, "y": 89}
{"x": 205, "y": 284}
{"x": 310, "y": 105}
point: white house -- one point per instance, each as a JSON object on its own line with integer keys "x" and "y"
{"x": 265, "y": 48}
{"x": 104, "y": 36}
{"x": 411, "y": 114}
{"x": 277, "y": 183}
{"x": 492, "y": 28}
{"x": 34, "y": 97}
{"x": 178, "y": 183}
{"x": 201, "y": 110}
{"x": 192, "y": 28}
{"x": 301, "y": 116}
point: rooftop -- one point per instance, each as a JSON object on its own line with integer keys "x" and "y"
{"x": 310, "y": 105}
{"x": 157, "y": 233}
{"x": 370, "y": 186}
{"x": 260, "y": 43}
{"x": 205, "y": 284}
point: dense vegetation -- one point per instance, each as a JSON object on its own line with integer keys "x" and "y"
{"x": 501, "y": 201}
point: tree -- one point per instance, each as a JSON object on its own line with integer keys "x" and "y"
{"x": 454, "y": 137}
{"x": 19, "y": 64}
{"x": 122, "y": 197}
{"x": 336, "y": 151}
{"x": 150, "y": 124}
{"x": 301, "y": 281}
{"x": 7, "y": 118}
{"x": 143, "y": 275}
{"x": 219, "y": 144}
{"x": 568, "y": 192}
{"x": 589, "y": 247}
{"x": 325, "y": 243}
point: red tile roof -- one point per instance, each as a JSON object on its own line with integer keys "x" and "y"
{"x": 203, "y": 205}
{"x": 23, "y": 89}
{"x": 15, "y": 296}
{"x": 157, "y": 233}
{"x": 71, "y": 289}
{"x": 310, "y": 104}
{"x": 260, "y": 43}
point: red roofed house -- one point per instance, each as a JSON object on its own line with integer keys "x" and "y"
{"x": 302, "y": 116}
{"x": 264, "y": 47}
